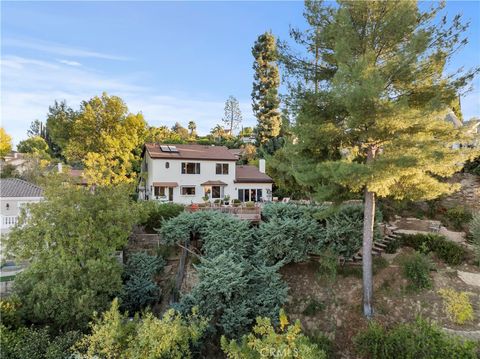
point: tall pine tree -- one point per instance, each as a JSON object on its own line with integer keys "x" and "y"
{"x": 233, "y": 116}
{"x": 374, "y": 123}
{"x": 265, "y": 99}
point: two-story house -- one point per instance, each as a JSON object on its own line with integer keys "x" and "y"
{"x": 187, "y": 173}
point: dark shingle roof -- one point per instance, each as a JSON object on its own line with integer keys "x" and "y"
{"x": 14, "y": 187}
{"x": 250, "y": 174}
{"x": 191, "y": 152}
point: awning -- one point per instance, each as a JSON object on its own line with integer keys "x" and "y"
{"x": 165, "y": 184}
{"x": 213, "y": 183}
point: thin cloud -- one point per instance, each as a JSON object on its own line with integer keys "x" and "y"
{"x": 70, "y": 63}
{"x": 58, "y": 49}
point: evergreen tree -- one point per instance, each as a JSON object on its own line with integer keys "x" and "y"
{"x": 265, "y": 88}
{"x": 374, "y": 122}
{"x": 59, "y": 125}
{"x": 233, "y": 116}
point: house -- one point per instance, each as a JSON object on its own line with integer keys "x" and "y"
{"x": 189, "y": 173}
{"x": 16, "y": 160}
{"x": 15, "y": 194}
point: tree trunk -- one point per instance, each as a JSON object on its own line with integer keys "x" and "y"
{"x": 368, "y": 222}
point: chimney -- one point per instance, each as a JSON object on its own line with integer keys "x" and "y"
{"x": 261, "y": 165}
{"x": 60, "y": 167}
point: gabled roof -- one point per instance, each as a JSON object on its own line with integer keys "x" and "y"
{"x": 14, "y": 187}
{"x": 190, "y": 152}
{"x": 250, "y": 174}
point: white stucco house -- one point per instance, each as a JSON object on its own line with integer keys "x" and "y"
{"x": 187, "y": 173}
{"x": 15, "y": 194}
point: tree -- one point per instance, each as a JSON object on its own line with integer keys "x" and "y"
{"x": 219, "y": 133}
{"x": 161, "y": 134}
{"x": 37, "y": 129}
{"x": 181, "y": 131}
{"x": 265, "y": 88}
{"x": 266, "y": 341}
{"x": 70, "y": 240}
{"x": 36, "y": 145}
{"x": 107, "y": 139}
{"x": 233, "y": 116}
{"x": 192, "y": 126}
{"x": 374, "y": 122}
{"x": 5, "y": 143}
{"x": 59, "y": 126}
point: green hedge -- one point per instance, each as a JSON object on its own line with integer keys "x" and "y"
{"x": 417, "y": 340}
{"x": 450, "y": 252}
{"x": 153, "y": 214}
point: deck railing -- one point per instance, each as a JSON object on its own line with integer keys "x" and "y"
{"x": 245, "y": 213}
{"x": 9, "y": 221}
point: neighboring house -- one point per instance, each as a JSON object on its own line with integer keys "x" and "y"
{"x": 248, "y": 139}
{"x": 15, "y": 194}
{"x": 187, "y": 173}
{"x": 16, "y": 160}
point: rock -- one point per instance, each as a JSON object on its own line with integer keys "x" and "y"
{"x": 470, "y": 278}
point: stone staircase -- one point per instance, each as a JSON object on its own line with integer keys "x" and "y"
{"x": 378, "y": 246}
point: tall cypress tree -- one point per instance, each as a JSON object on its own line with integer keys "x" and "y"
{"x": 265, "y": 100}
{"x": 374, "y": 124}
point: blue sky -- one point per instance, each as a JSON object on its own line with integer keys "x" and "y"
{"x": 173, "y": 61}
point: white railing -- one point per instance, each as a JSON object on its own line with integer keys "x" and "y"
{"x": 9, "y": 221}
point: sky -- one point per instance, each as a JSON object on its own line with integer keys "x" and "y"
{"x": 172, "y": 61}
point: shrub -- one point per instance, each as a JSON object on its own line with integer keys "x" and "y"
{"x": 113, "y": 336}
{"x": 287, "y": 239}
{"x": 450, "y": 252}
{"x": 265, "y": 341}
{"x": 457, "y": 217}
{"x": 313, "y": 307}
{"x": 475, "y": 235}
{"x": 392, "y": 246}
{"x": 35, "y": 343}
{"x": 416, "y": 269}
{"x": 457, "y": 305}
{"x": 343, "y": 229}
{"x": 140, "y": 289}
{"x": 289, "y": 211}
{"x": 419, "y": 340}
{"x": 9, "y": 314}
{"x": 154, "y": 213}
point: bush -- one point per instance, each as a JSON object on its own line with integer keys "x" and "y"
{"x": 475, "y": 235}
{"x": 114, "y": 336}
{"x": 313, "y": 307}
{"x": 419, "y": 340}
{"x": 9, "y": 314}
{"x": 343, "y": 229}
{"x": 140, "y": 289}
{"x": 287, "y": 239}
{"x": 34, "y": 343}
{"x": 289, "y": 211}
{"x": 457, "y": 217}
{"x": 416, "y": 269}
{"x": 266, "y": 341}
{"x": 392, "y": 246}
{"x": 450, "y": 252}
{"x": 457, "y": 305}
{"x": 154, "y": 213}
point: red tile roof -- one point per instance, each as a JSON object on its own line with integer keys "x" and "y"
{"x": 251, "y": 174}
{"x": 191, "y": 152}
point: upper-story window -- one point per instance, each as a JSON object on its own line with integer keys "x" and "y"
{"x": 167, "y": 164}
{"x": 221, "y": 169}
{"x": 192, "y": 168}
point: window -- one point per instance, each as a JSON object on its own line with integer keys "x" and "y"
{"x": 247, "y": 195}
{"x": 167, "y": 164}
{"x": 221, "y": 169}
{"x": 188, "y": 190}
{"x": 159, "y": 191}
{"x": 191, "y": 168}
{"x": 216, "y": 192}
